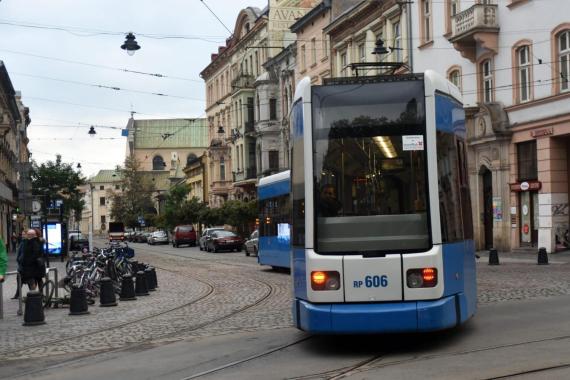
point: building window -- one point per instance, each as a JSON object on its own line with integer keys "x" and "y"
{"x": 102, "y": 187}
{"x": 325, "y": 45}
{"x": 397, "y": 41}
{"x": 273, "y": 160}
{"x": 272, "y": 109}
{"x": 222, "y": 169}
{"x": 158, "y": 163}
{"x": 117, "y": 187}
{"x": 454, "y": 77}
{"x": 103, "y": 219}
{"x": 564, "y": 58}
{"x": 425, "y": 21}
{"x": 362, "y": 53}
{"x": 487, "y": 81}
{"x": 454, "y": 7}
{"x": 102, "y": 201}
{"x": 343, "y": 63}
{"x": 523, "y": 76}
{"x": 303, "y": 59}
{"x": 313, "y": 51}
{"x": 526, "y": 160}
{"x": 191, "y": 158}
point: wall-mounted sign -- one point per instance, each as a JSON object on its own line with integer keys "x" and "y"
{"x": 531, "y": 185}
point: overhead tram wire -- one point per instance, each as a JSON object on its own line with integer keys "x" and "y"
{"x": 107, "y": 87}
{"x": 216, "y": 16}
{"x": 156, "y": 75}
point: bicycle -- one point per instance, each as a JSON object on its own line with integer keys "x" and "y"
{"x": 47, "y": 290}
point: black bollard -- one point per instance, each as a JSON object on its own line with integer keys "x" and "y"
{"x": 78, "y": 301}
{"x": 493, "y": 257}
{"x": 34, "y": 312}
{"x": 107, "y": 293}
{"x": 149, "y": 282}
{"x": 154, "y": 278}
{"x": 127, "y": 289}
{"x": 141, "y": 288}
{"x": 134, "y": 268}
{"x": 542, "y": 256}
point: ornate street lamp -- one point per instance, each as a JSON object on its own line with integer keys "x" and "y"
{"x": 130, "y": 45}
{"x": 92, "y": 132}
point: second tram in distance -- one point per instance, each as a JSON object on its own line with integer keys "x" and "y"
{"x": 382, "y": 236}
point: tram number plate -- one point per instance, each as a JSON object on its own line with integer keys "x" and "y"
{"x": 372, "y": 282}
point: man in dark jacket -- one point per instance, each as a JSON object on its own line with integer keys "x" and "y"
{"x": 33, "y": 262}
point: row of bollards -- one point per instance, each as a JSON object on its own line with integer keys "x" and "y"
{"x": 146, "y": 280}
{"x": 542, "y": 256}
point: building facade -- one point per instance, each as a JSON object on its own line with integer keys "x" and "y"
{"x": 14, "y": 158}
{"x": 98, "y": 200}
{"x": 515, "y": 87}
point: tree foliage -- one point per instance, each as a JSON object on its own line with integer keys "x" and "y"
{"x": 179, "y": 210}
{"x": 54, "y": 181}
{"x": 135, "y": 198}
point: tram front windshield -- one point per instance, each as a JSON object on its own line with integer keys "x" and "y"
{"x": 370, "y": 168}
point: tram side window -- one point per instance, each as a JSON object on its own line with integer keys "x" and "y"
{"x": 449, "y": 177}
{"x": 273, "y": 212}
{"x": 298, "y": 175}
{"x": 464, "y": 191}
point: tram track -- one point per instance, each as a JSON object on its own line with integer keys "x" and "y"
{"x": 209, "y": 294}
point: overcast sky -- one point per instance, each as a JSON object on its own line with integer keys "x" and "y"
{"x": 58, "y": 53}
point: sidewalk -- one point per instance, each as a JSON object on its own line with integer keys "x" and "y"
{"x": 10, "y": 283}
{"x": 562, "y": 257}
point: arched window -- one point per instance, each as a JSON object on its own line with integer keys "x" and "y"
{"x": 158, "y": 163}
{"x": 486, "y": 81}
{"x": 523, "y": 73}
{"x": 454, "y": 77}
{"x": 564, "y": 59}
{"x": 191, "y": 158}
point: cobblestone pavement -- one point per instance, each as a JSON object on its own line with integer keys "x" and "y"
{"x": 205, "y": 294}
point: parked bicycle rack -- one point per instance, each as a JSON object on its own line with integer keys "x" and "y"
{"x": 20, "y": 298}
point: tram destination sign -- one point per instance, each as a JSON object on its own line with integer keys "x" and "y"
{"x": 533, "y": 185}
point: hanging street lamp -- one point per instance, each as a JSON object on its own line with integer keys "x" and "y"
{"x": 130, "y": 45}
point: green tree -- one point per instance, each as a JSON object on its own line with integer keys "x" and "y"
{"x": 135, "y": 199}
{"x": 240, "y": 214}
{"x": 58, "y": 181}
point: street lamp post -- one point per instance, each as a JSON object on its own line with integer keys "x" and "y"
{"x": 92, "y": 220}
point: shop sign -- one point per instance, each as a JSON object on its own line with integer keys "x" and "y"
{"x": 533, "y": 185}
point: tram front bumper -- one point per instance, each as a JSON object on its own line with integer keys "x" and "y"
{"x": 345, "y": 318}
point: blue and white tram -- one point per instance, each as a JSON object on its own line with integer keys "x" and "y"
{"x": 274, "y": 220}
{"x": 382, "y": 236}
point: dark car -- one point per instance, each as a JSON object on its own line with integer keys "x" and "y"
{"x": 223, "y": 241}
{"x": 252, "y": 244}
{"x": 205, "y": 234}
{"x": 185, "y": 234}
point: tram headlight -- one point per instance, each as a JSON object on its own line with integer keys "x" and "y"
{"x": 325, "y": 280}
{"x": 421, "y": 278}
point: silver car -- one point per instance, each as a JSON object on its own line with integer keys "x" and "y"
{"x": 252, "y": 244}
{"x": 205, "y": 234}
{"x": 158, "y": 237}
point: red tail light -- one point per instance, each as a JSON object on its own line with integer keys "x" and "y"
{"x": 421, "y": 278}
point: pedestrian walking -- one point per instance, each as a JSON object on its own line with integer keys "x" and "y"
{"x": 3, "y": 260}
{"x": 33, "y": 261}
{"x": 19, "y": 260}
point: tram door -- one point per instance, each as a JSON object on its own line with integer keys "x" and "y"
{"x": 488, "y": 207}
{"x": 529, "y": 218}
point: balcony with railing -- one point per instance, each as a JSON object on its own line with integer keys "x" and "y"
{"x": 243, "y": 81}
{"x": 220, "y": 187}
{"x": 245, "y": 175}
{"x": 477, "y": 26}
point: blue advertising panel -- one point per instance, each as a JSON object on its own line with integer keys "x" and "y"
{"x": 53, "y": 232}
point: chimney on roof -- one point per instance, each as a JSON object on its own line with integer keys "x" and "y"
{"x": 214, "y": 56}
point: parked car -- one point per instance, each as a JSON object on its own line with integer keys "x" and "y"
{"x": 223, "y": 240}
{"x": 251, "y": 245}
{"x": 205, "y": 234}
{"x": 185, "y": 234}
{"x": 77, "y": 241}
{"x": 157, "y": 237}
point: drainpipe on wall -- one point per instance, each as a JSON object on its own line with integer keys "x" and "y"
{"x": 410, "y": 39}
